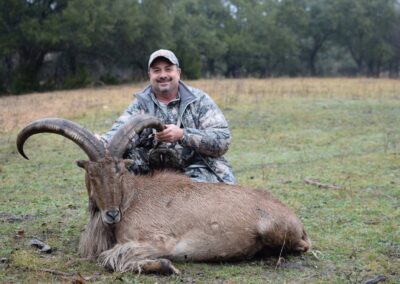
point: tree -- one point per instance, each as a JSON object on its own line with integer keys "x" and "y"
{"x": 199, "y": 30}
{"x": 70, "y": 43}
{"x": 25, "y": 39}
{"x": 155, "y": 32}
{"x": 258, "y": 44}
{"x": 313, "y": 23}
{"x": 364, "y": 28}
{"x": 394, "y": 41}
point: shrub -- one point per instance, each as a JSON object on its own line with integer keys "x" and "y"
{"x": 81, "y": 78}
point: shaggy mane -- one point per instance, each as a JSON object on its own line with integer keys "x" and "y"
{"x": 96, "y": 238}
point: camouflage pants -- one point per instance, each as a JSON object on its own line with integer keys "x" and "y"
{"x": 201, "y": 174}
{"x": 142, "y": 166}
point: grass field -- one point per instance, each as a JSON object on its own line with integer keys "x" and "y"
{"x": 345, "y": 133}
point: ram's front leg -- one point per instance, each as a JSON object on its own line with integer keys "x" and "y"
{"x": 137, "y": 257}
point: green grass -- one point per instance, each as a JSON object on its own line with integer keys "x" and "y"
{"x": 278, "y": 141}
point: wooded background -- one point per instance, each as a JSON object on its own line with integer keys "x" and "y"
{"x": 61, "y": 44}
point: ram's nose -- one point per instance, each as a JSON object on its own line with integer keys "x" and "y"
{"x": 112, "y": 216}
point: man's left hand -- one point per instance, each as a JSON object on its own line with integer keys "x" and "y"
{"x": 171, "y": 134}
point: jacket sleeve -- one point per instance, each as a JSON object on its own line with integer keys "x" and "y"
{"x": 132, "y": 110}
{"x": 211, "y": 137}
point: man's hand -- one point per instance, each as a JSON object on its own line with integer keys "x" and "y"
{"x": 171, "y": 133}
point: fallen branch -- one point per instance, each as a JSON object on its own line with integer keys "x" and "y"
{"x": 78, "y": 278}
{"x": 56, "y": 272}
{"x": 316, "y": 182}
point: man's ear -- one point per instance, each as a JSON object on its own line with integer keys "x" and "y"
{"x": 82, "y": 164}
{"x": 128, "y": 163}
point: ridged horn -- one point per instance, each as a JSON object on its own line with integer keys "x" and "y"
{"x": 82, "y": 137}
{"x": 121, "y": 139}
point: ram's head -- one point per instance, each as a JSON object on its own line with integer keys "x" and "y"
{"x": 106, "y": 166}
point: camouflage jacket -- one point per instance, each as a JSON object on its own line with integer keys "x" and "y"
{"x": 206, "y": 136}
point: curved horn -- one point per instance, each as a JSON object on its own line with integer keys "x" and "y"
{"x": 82, "y": 137}
{"x": 121, "y": 139}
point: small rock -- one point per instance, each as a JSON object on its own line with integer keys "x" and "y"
{"x": 377, "y": 279}
{"x": 41, "y": 245}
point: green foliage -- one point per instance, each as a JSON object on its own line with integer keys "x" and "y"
{"x": 190, "y": 64}
{"x": 233, "y": 38}
{"x": 367, "y": 39}
{"x": 24, "y": 80}
{"x": 80, "y": 79}
{"x": 2, "y": 79}
{"x": 109, "y": 79}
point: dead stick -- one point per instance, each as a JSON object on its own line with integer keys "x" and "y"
{"x": 55, "y": 272}
{"x": 278, "y": 262}
{"x": 321, "y": 185}
{"x": 76, "y": 274}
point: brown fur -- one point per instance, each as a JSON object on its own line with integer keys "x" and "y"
{"x": 167, "y": 216}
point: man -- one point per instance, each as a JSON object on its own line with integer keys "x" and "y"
{"x": 196, "y": 130}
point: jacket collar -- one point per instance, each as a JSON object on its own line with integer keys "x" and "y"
{"x": 185, "y": 94}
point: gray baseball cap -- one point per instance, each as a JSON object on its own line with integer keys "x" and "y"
{"x": 168, "y": 54}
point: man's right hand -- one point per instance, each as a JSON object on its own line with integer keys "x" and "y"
{"x": 171, "y": 134}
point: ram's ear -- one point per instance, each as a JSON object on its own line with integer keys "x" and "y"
{"x": 82, "y": 164}
{"x": 128, "y": 163}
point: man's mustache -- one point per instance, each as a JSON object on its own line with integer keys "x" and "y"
{"x": 164, "y": 80}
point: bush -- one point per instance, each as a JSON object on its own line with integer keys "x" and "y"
{"x": 23, "y": 81}
{"x": 81, "y": 78}
{"x": 3, "y": 88}
{"x": 109, "y": 79}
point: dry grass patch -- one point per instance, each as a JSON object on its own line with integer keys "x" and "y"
{"x": 17, "y": 111}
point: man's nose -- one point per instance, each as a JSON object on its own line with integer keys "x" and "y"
{"x": 163, "y": 74}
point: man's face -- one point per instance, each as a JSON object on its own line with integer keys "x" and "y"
{"x": 164, "y": 77}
